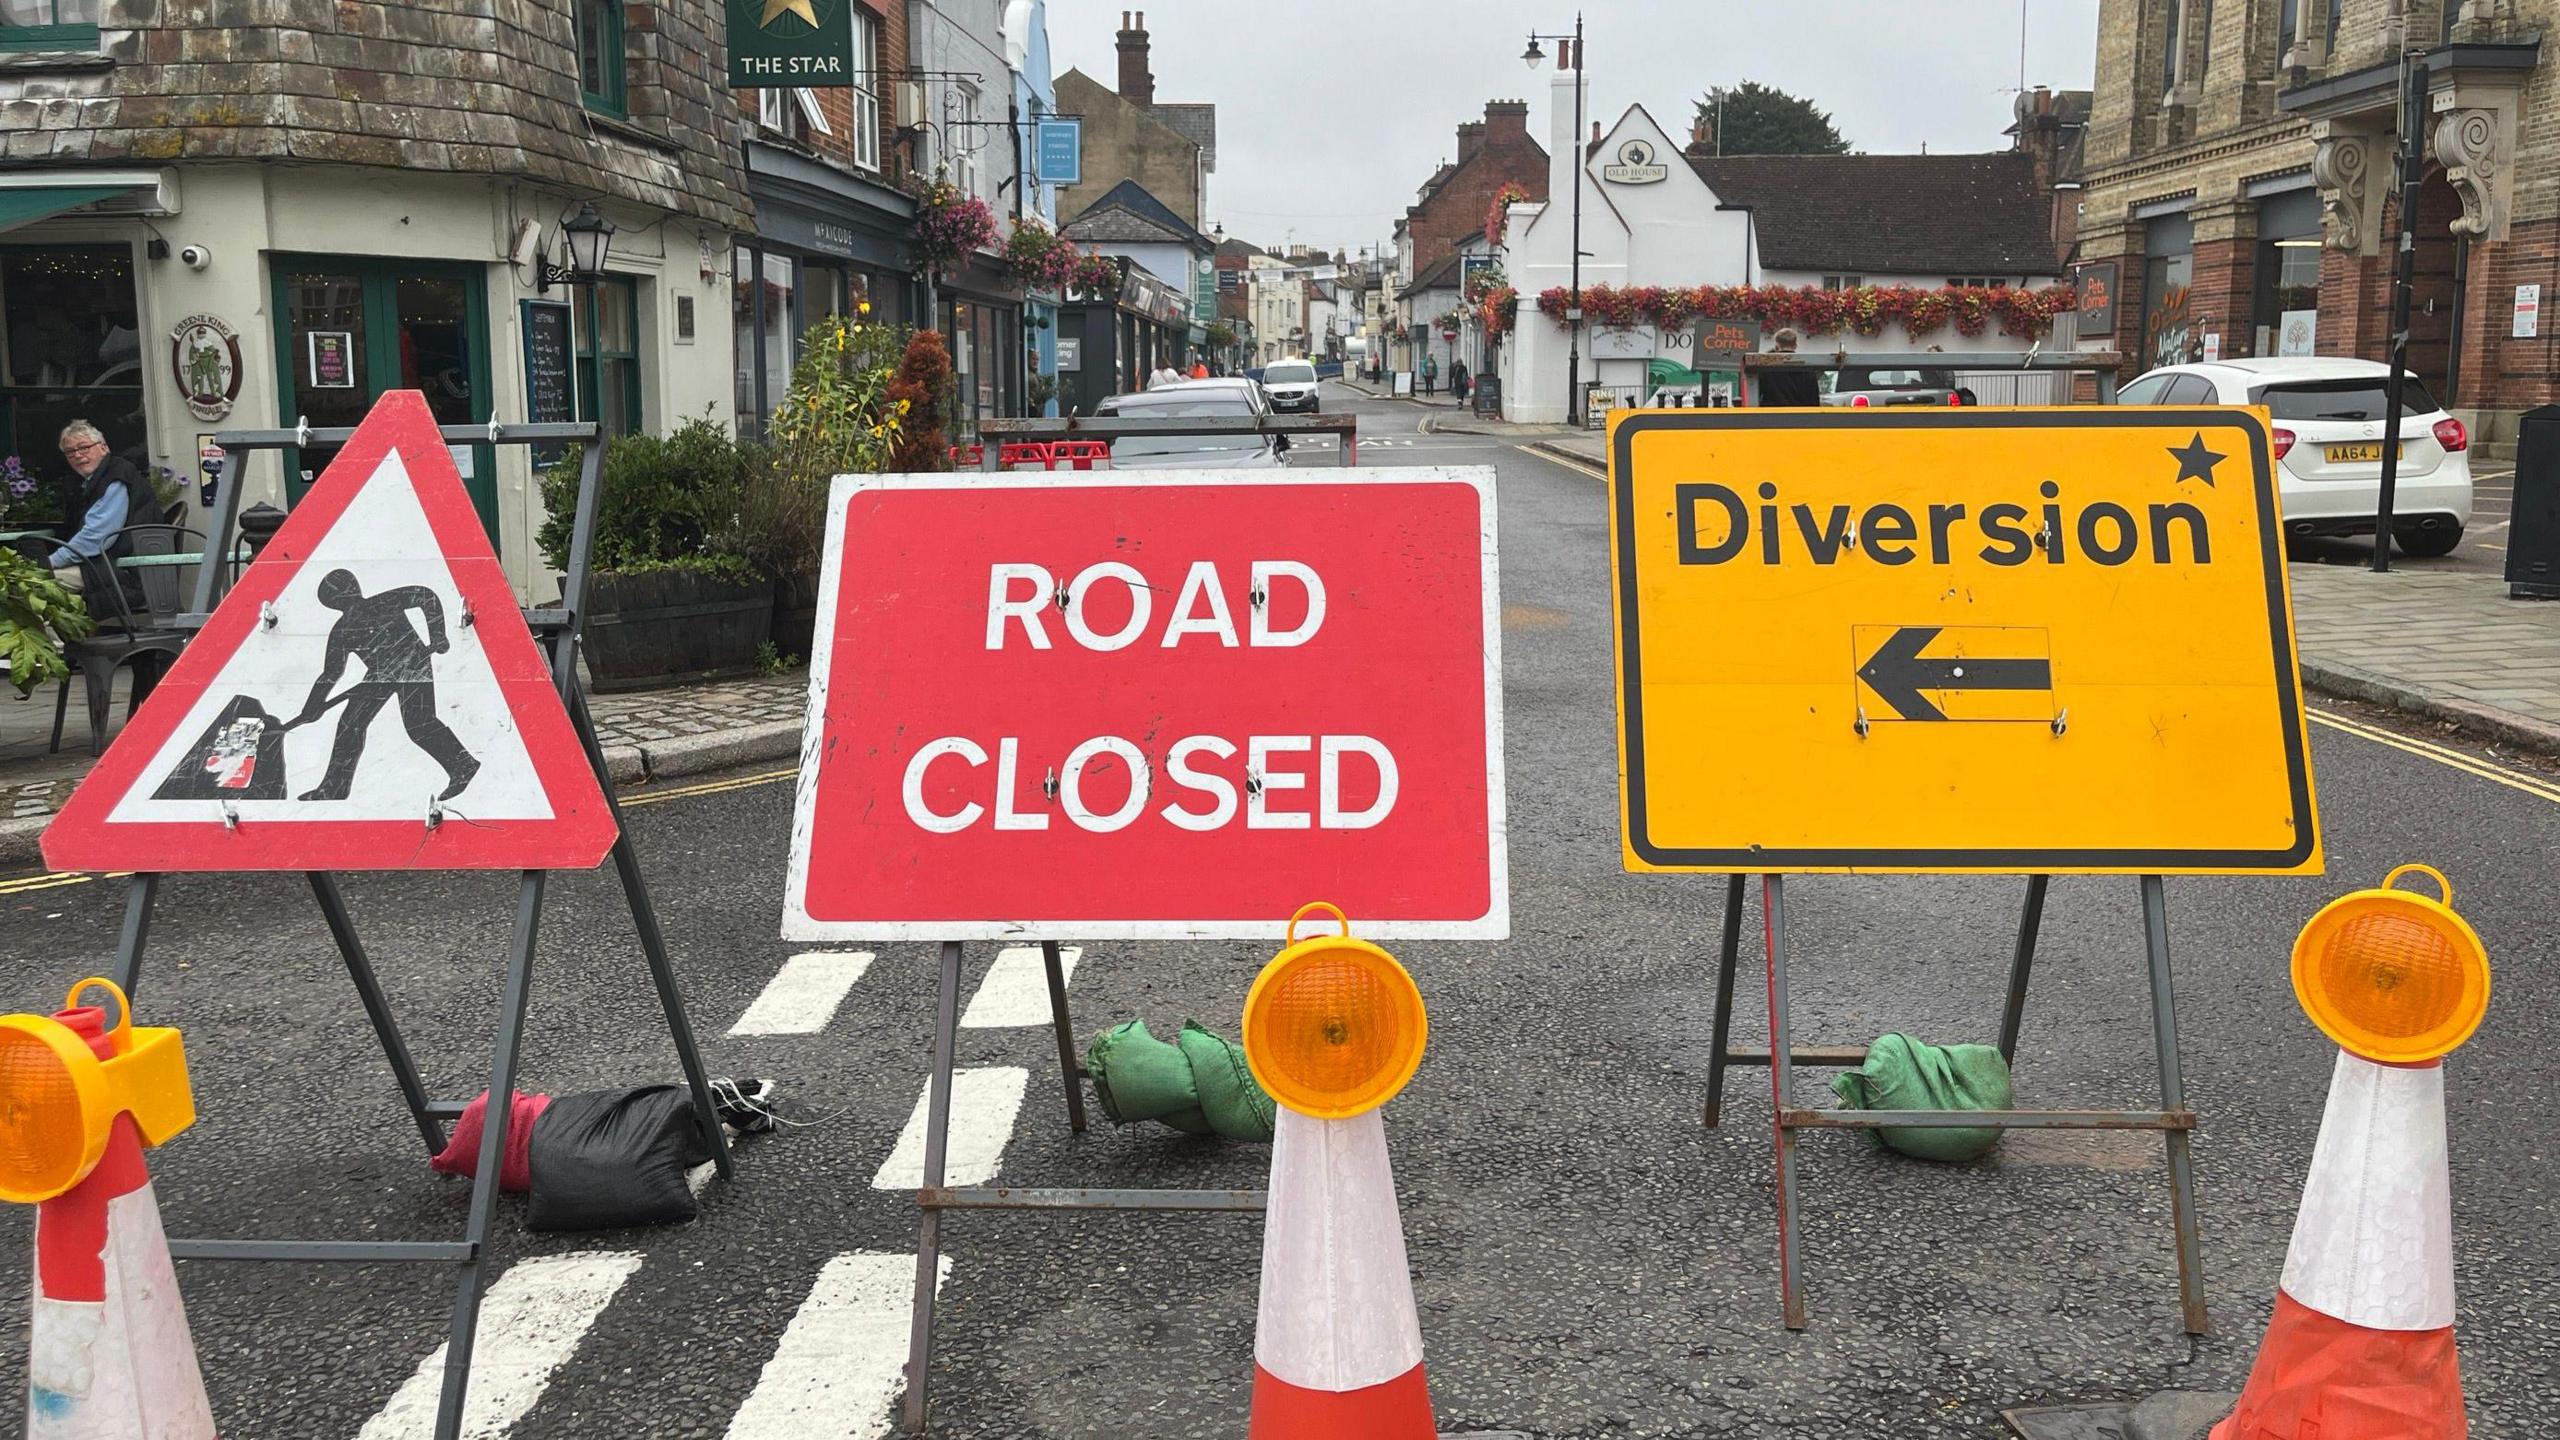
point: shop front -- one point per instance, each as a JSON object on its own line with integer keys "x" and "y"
{"x": 1108, "y": 343}
{"x": 827, "y": 242}
{"x": 71, "y": 348}
{"x": 981, "y": 307}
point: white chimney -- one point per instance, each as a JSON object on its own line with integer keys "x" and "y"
{"x": 1563, "y": 153}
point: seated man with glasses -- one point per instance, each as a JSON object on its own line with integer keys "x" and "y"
{"x": 113, "y": 495}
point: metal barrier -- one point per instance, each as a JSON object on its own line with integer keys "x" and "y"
{"x": 2034, "y": 360}
{"x": 1017, "y": 435}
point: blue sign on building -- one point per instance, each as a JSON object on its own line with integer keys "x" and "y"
{"x": 1062, "y": 152}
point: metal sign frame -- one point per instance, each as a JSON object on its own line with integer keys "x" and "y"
{"x": 558, "y": 629}
{"x": 934, "y": 1197}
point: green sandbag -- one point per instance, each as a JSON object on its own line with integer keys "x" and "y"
{"x": 1236, "y": 1104}
{"x": 1906, "y": 1074}
{"x": 1139, "y": 1077}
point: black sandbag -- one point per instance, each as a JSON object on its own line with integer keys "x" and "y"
{"x": 608, "y": 1159}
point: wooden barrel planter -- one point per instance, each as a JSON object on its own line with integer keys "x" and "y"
{"x": 662, "y": 626}
{"x": 795, "y": 615}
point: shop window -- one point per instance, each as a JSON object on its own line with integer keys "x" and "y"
{"x": 70, "y": 349}
{"x": 601, "y": 66}
{"x": 2167, "y": 272}
{"x": 746, "y": 394}
{"x": 49, "y": 24}
{"x": 966, "y": 137}
{"x": 765, "y": 315}
{"x": 2286, "y": 308}
{"x": 865, "y": 90}
{"x": 608, "y": 343}
{"x": 2170, "y": 35}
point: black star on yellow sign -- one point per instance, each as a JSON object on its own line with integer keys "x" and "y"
{"x": 2194, "y": 461}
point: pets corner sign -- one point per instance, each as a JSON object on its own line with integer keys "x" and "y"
{"x": 790, "y": 42}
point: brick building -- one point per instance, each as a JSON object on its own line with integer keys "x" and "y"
{"x": 1169, "y": 147}
{"x": 206, "y": 222}
{"x": 1492, "y": 152}
{"x": 2241, "y": 196}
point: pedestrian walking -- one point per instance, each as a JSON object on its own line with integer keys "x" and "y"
{"x": 1458, "y": 380}
{"x": 1164, "y": 374}
{"x": 113, "y": 494}
{"x": 1199, "y": 368}
{"x": 1430, "y": 372}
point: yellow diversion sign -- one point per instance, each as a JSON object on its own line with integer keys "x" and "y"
{"x": 1962, "y": 639}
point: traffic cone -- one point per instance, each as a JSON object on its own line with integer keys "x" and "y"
{"x": 2362, "y": 1339}
{"x": 110, "y": 1357}
{"x": 1337, "y": 1348}
{"x": 1333, "y": 1028}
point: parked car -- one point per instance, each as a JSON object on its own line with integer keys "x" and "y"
{"x": 1860, "y": 387}
{"x": 2327, "y": 434}
{"x": 1291, "y": 385}
{"x": 1228, "y": 399}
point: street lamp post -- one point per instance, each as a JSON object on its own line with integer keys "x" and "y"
{"x": 1570, "y": 59}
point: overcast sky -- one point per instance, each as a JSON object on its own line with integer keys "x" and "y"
{"x": 1331, "y": 113}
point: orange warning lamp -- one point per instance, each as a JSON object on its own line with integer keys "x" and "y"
{"x": 64, "y": 1080}
{"x": 2392, "y": 975}
{"x": 1333, "y": 1026}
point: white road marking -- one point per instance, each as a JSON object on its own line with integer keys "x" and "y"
{"x": 1016, "y": 990}
{"x": 983, "y": 1103}
{"x": 530, "y": 1322}
{"x": 841, "y": 1363}
{"x": 802, "y": 997}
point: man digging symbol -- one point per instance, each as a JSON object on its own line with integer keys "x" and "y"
{"x": 398, "y": 667}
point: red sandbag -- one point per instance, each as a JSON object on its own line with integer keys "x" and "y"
{"x": 462, "y": 1156}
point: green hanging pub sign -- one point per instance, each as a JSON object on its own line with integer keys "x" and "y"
{"x": 790, "y": 42}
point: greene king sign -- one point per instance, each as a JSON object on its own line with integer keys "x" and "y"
{"x": 790, "y": 42}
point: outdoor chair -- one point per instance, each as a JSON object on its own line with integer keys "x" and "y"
{"x": 136, "y": 601}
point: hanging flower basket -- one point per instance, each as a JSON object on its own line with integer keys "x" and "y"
{"x": 1041, "y": 256}
{"x": 1865, "y": 310}
{"x": 1096, "y": 277}
{"x": 1497, "y": 217}
{"x": 950, "y": 226}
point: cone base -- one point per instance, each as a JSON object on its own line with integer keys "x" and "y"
{"x": 2319, "y": 1378}
{"x": 1399, "y": 1409}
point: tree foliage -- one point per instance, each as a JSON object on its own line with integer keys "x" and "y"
{"x": 1757, "y": 119}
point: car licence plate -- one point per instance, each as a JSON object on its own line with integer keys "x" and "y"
{"x": 2349, "y": 454}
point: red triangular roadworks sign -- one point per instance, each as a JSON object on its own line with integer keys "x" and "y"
{"x": 369, "y": 672}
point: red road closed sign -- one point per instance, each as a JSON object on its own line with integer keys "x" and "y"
{"x": 1095, "y": 706}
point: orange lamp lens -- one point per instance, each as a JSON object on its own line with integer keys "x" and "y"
{"x": 43, "y": 1119}
{"x": 1334, "y": 1027}
{"x": 2392, "y": 976}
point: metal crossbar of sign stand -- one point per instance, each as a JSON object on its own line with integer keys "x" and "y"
{"x": 2173, "y": 1119}
{"x": 558, "y": 629}
{"x": 934, "y": 1197}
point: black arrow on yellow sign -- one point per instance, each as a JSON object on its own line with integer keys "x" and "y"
{"x": 1898, "y": 673}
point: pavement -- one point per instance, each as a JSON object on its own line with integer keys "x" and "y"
{"x": 2437, "y": 638}
{"x": 1590, "y": 1263}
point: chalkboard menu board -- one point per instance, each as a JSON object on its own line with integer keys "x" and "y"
{"x": 1488, "y": 394}
{"x": 550, "y": 371}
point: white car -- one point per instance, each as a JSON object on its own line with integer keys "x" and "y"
{"x": 2327, "y": 416}
{"x": 1291, "y": 384}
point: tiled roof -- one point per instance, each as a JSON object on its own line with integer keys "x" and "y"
{"x": 1891, "y": 214}
{"x": 1195, "y": 122}
{"x": 1129, "y": 213}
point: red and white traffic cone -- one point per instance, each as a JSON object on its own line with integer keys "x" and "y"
{"x": 110, "y": 1357}
{"x": 2362, "y": 1340}
{"x": 1337, "y": 1350}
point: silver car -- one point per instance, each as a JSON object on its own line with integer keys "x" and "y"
{"x": 1230, "y": 399}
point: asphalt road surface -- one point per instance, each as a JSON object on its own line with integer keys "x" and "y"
{"x": 1589, "y": 1261}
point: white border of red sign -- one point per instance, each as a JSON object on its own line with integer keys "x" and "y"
{"x": 1494, "y": 924}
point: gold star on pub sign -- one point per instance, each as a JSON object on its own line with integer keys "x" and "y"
{"x": 776, "y": 9}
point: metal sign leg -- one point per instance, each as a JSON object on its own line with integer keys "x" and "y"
{"x": 2173, "y": 1097}
{"x": 134, "y": 933}
{"x": 377, "y": 1008}
{"x": 1069, "y": 1070}
{"x": 2030, "y": 921}
{"x": 493, "y": 1149}
{"x": 653, "y": 944}
{"x": 937, "y": 1134}
{"x": 1727, "y": 958}
{"x": 1773, "y": 918}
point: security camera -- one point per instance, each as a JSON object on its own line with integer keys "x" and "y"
{"x": 195, "y": 257}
